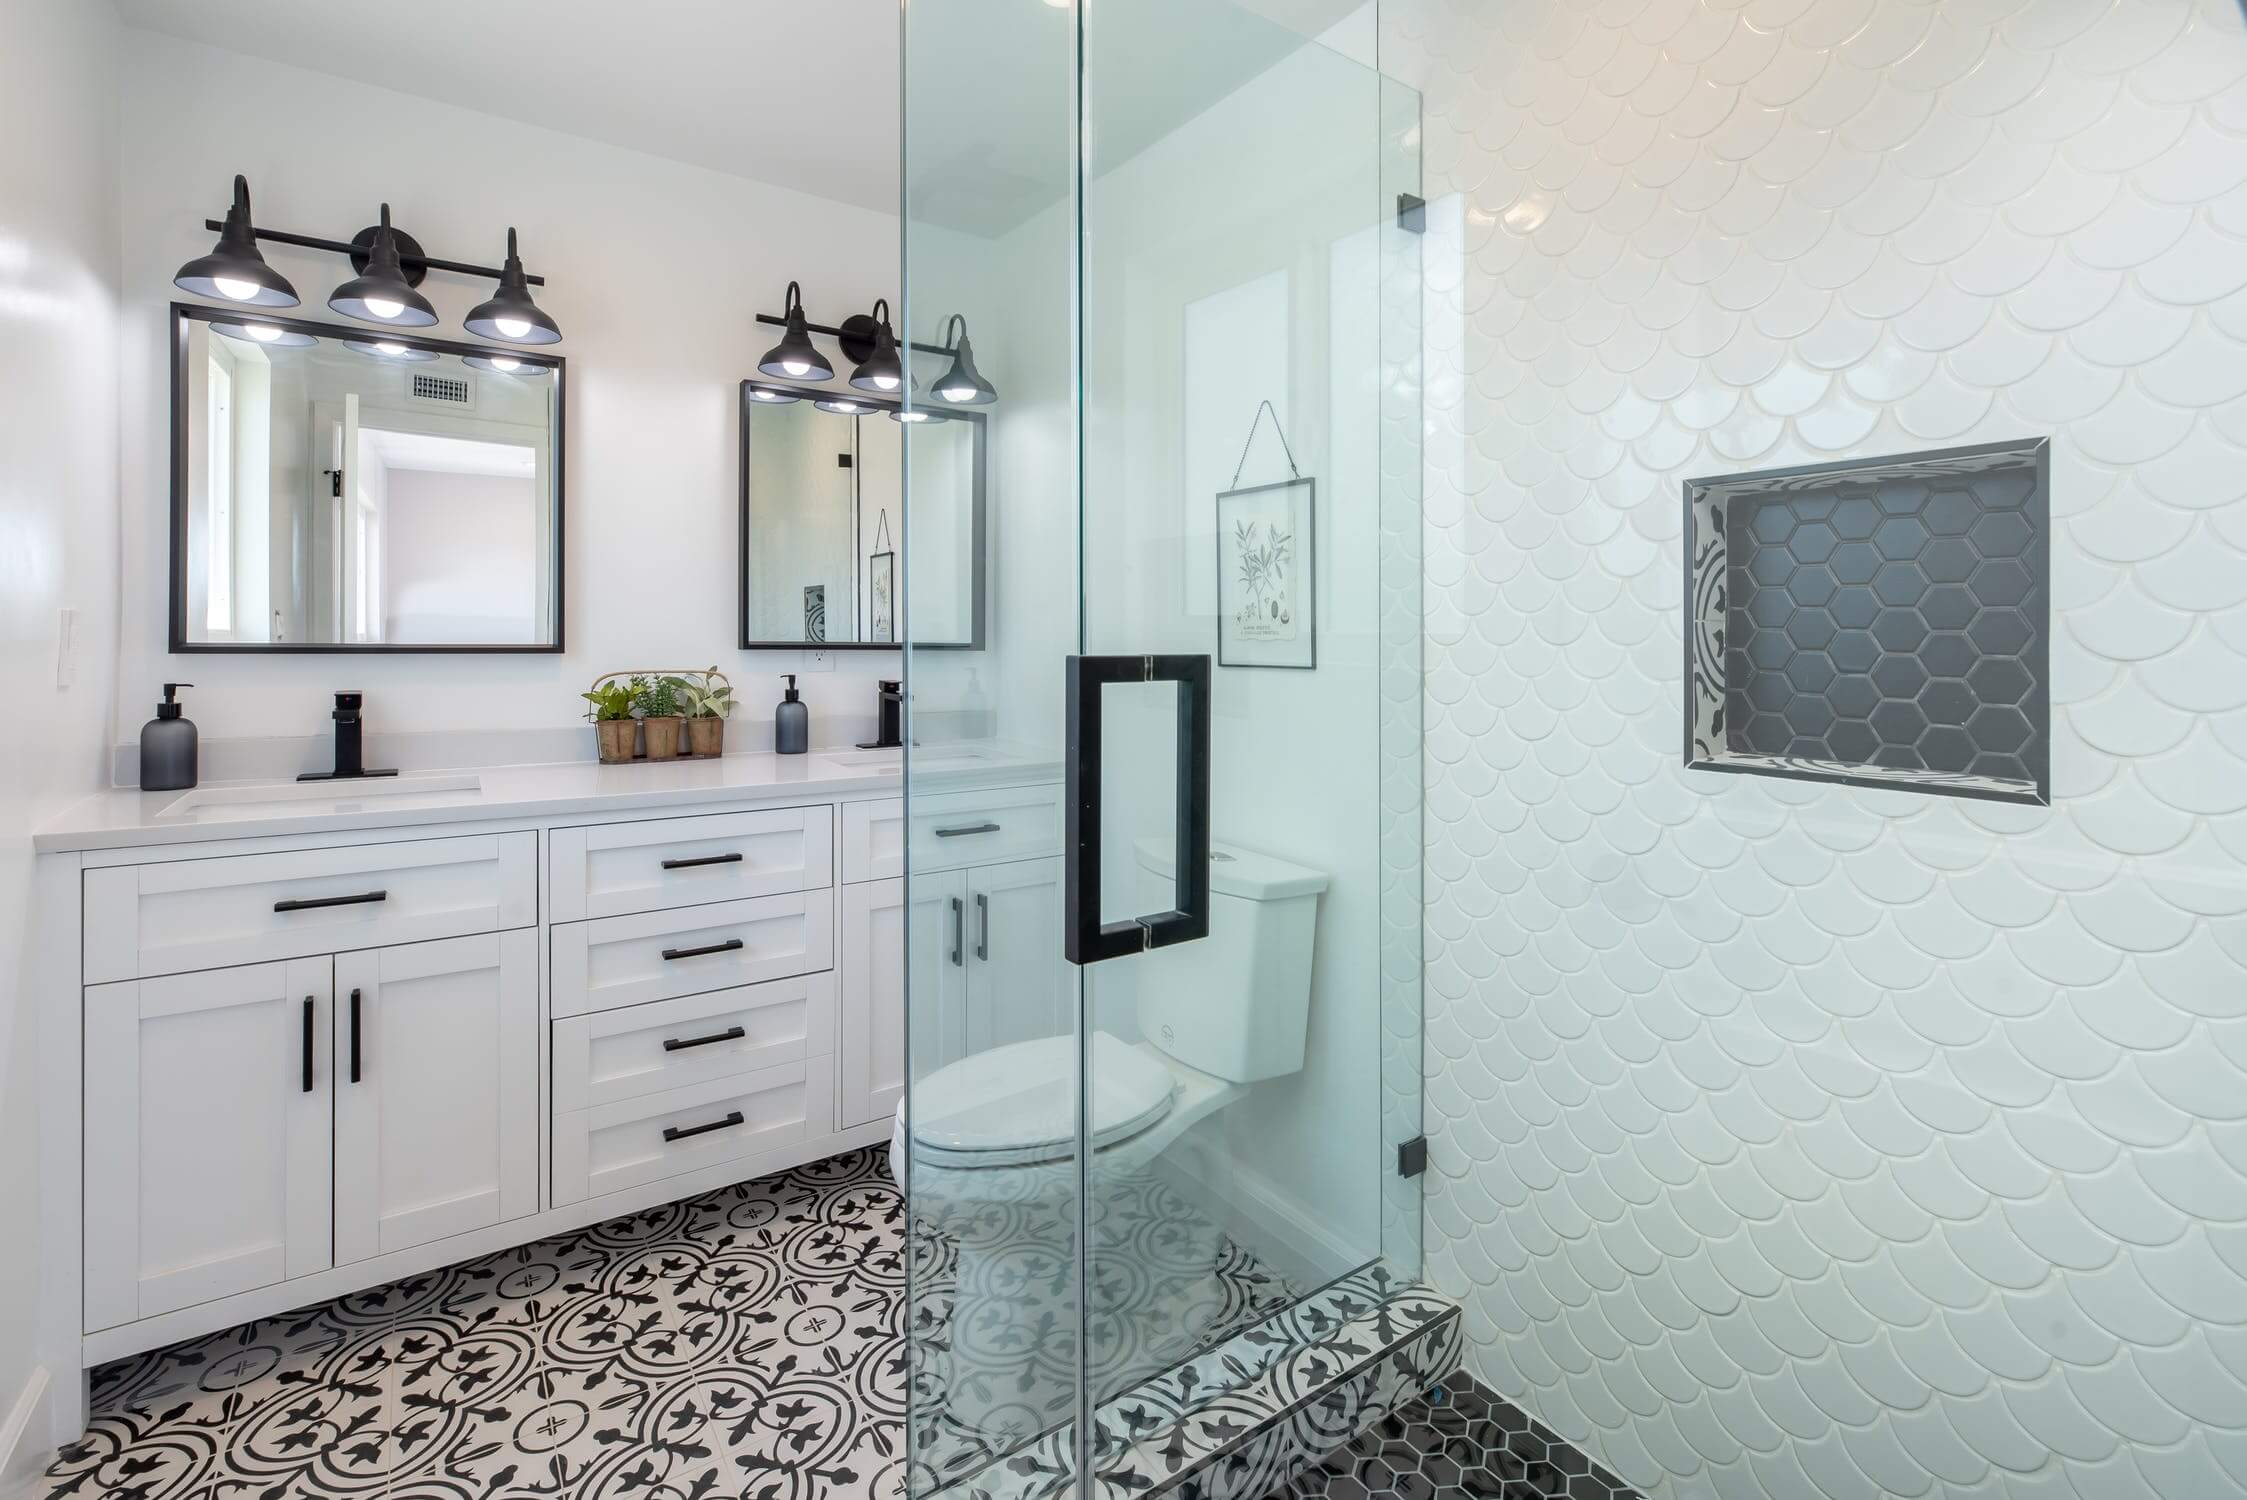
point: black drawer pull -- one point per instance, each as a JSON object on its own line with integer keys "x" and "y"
{"x": 707, "y": 859}
{"x": 354, "y": 1036}
{"x": 680, "y": 1133}
{"x": 728, "y": 946}
{"x": 308, "y": 1044}
{"x": 314, "y": 902}
{"x": 681, "y": 1043}
{"x": 953, "y": 833}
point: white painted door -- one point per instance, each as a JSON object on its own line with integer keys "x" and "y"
{"x": 883, "y": 943}
{"x": 1019, "y": 986}
{"x": 436, "y": 1090}
{"x": 207, "y": 1135}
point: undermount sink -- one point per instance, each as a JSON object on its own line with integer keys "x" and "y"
{"x": 285, "y": 799}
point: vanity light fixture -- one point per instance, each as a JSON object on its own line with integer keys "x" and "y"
{"x": 271, "y": 335}
{"x": 794, "y": 358}
{"x": 963, "y": 384}
{"x": 881, "y": 370}
{"x": 381, "y": 293}
{"x": 397, "y": 353}
{"x": 234, "y": 271}
{"x": 916, "y": 414}
{"x": 842, "y": 406}
{"x": 506, "y": 364}
{"x": 510, "y": 315}
{"x": 772, "y": 396}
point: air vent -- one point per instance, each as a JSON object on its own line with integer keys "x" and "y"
{"x": 454, "y": 391}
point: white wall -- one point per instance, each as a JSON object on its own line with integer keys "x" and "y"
{"x": 655, "y": 271}
{"x": 1793, "y": 1141}
{"x": 58, "y": 537}
{"x": 459, "y": 556}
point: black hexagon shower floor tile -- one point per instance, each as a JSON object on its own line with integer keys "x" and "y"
{"x": 749, "y": 1342}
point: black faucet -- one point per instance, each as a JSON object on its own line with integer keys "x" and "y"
{"x": 890, "y": 726}
{"x": 350, "y": 762}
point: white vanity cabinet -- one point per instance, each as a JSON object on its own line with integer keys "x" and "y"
{"x": 304, "y": 1064}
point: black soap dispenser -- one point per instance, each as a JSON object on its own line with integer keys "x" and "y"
{"x": 169, "y": 746}
{"x": 791, "y": 722}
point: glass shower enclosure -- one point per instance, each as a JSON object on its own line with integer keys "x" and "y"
{"x": 1164, "y": 1085}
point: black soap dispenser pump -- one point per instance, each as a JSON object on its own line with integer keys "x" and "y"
{"x": 791, "y": 722}
{"x": 169, "y": 747}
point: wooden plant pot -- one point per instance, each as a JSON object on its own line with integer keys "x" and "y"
{"x": 706, "y": 736}
{"x": 663, "y": 736}
{"x": 617, "y": 738}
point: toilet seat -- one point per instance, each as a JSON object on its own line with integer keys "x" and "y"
{"x": 1016, "y": 1105}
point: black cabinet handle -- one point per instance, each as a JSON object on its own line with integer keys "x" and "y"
{"x": 707, "y": 859}
{"x": 1086, "y": 939}
{"x": 681, "y": 1132}
{"x": 354, "y": 1036}
{"x": 681, "y": 1043}
{"x": 959, "y": 924}
{"x": 953, "y": 833}
{"x": 315, "y": 902}
{"x": 728, "y": 946}
{"x": 982, "y": 926}
{"x": 307, "y": 1044}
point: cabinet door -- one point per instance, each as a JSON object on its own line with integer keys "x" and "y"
{"x": 207, "y": 1134}
{"x": 1018, "y": 983}
{"x": 436, "y": 1091}
{"x": 885, "y": 943}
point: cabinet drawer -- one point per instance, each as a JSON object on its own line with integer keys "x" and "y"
{"x": 647, "y": 1049}
{"x": 610, "y": 1147}
{"x": 614, "y": 869}
{"x": 873, "y": 840}
{"x": 143, "y": 920}
{"x": 952, "y": 830}
{"x": 619, "y": 961}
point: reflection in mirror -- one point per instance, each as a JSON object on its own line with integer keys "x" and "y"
{"x": 822, "y": 523}
{"x": 333, "y": 491}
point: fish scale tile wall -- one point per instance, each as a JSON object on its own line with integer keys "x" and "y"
{"x": 1796, "y": 1141}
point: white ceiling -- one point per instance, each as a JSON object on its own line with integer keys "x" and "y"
{"x": 799, "y": 93}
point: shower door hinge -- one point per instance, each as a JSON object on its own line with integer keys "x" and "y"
{"x": 1412, "y": 1157}
{"x": 1412, "y": 213}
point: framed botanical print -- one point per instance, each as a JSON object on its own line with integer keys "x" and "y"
{"x": 881, "y": 596}
{"x": 1267, "y": 597}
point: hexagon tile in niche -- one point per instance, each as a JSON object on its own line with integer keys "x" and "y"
{"x": 1880, "y": 622}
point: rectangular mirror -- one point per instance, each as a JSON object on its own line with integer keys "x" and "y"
{"x": 822, "y": 534}
{"x": 349, "y": 489}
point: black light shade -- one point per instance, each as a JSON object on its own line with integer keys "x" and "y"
{"x": 382, "y": 294}
{"x": 882, "y": 370}
{"x": 404, "y": 354}
{"x": 506, "y": 364}
{"x": 794, "y": 358}
{"x": 917, "y": 414}
{"x": 234, "y": 271}
{"x": 271, "y": 335}
{"x": 510, "y": 315}
{"x": 771, "y": 396}
{"x": 842, "y": 406}
{"x": 963, "y": 384}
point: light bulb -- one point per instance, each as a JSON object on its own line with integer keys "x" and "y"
{"x": 886, "y": 382}
{"x": 958, "y": 395}
{"x": 512, "y": 328}
{"x": 915, "y": 415}
{"x": 766, "y": 395}
{"x": 393, "y": 350}
{"x": 234, "y": 291}
{"x": 383, "y": 307}
{"x": 502, "y": 362}
{"x": 796, "y": 368}
{"x": 264, "y": 333}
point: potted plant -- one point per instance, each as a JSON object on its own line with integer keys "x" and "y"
{"x": 656, "y": 699}
{"x": 613, "y": 724}
{"x": 709, "y": 703}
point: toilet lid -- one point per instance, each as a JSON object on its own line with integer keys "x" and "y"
{"x": 1020, "y": 1100}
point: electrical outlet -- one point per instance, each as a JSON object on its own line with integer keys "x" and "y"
{"x": 817, "y": 661}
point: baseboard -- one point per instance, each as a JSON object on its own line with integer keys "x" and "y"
{"x": 1263, "y": 1220}
{"x": 23, "y": 1437}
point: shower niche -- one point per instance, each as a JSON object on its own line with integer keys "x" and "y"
{"x": 1879, "y": 622}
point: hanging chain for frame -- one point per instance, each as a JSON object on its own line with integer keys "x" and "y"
{"x": 881, "y": 530}
{"x": 1277, "y": 431}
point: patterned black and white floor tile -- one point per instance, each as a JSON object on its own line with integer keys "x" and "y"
{"x": 748, "y": 1343}
{"x": 1458, "y": 1441}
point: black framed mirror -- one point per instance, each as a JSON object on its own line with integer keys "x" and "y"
{"x": 822, "y": 522}
{"x": 351, "y": 489}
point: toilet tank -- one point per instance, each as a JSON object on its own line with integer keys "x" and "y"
{"x": 1234, "y": 1004}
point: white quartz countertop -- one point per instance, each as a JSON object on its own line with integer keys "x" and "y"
{"x": 129, "y": 818}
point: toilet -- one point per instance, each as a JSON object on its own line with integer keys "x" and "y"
{"x": 994, "y": 1169}
{"x": 1215, "y": 1015}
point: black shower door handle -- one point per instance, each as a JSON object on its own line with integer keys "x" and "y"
{"x": 1086, "y": 939}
